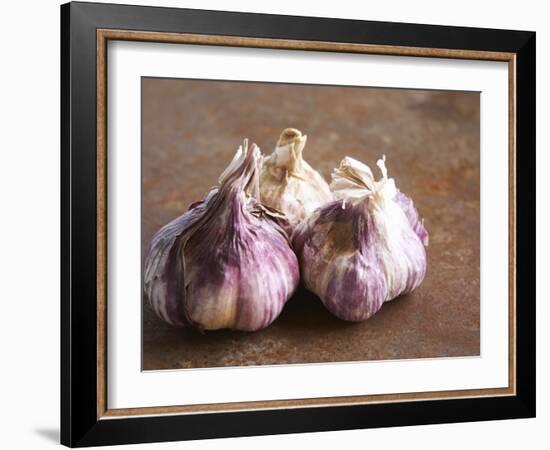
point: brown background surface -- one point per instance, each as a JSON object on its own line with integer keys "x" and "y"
{"x": 191, "y": 129}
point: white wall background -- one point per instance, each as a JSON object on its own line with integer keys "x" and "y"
{"x": 29, "y": 223}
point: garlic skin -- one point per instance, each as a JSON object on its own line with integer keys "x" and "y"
{"x": 227, "y": 261}
{"x": 363, "y": 249}
{"x": 288, "y": 183}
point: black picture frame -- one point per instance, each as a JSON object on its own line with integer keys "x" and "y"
{"x": 80, "y": 425}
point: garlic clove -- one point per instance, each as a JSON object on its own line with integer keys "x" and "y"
{"x": 407, "y": 205}
{"x": 288, "y": 183}
{"x": 227, "y": 262}
{"x": 161, "y": 274}
{"x": 363, "y": 249}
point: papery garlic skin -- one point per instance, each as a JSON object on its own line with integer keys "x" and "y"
{"x": 288, "y": 183}
{"x": 363, "y": 249}
{"x": 227, "y": 262}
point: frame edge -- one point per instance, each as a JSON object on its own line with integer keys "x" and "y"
{"x": 526, "y": 224}
{"x": 65, "y": 360}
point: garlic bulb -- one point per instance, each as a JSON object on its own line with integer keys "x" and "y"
{"x": 363, "y": 249}
{"x": 226, "y": 262}
{"x": 288, "y": 183}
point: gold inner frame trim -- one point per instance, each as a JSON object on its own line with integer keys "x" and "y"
{"x": 103, "y": 36}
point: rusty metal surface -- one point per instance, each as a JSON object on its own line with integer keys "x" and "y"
{"x": 431, "y": 141}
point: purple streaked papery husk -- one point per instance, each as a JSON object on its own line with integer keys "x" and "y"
{"x": 227, "y": 262}
{"x": 363, "y": 249}
{"x": 407, "y": 205}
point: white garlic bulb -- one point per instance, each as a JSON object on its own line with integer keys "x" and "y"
{"x": 288, "y": 183}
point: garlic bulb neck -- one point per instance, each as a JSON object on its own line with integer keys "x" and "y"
{"x": 289, "y": 136}
{"x": 288, "y": 152}
{"x": 354, "y": 182}
{"x": 288, "y": 183}
{"x": 243, "y": 172}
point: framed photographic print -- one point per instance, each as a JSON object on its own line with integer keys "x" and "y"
{"x": 276, "y": 224}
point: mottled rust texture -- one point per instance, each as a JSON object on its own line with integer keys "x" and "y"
{"x": 431, "y": 141}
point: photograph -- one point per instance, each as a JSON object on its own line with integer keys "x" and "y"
{"x": 304, "y": 224}
{"x": 276, "y": 224}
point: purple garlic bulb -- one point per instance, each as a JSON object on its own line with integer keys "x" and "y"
{"x": 364, "y": 248}
{"x": 227, "y": 261}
